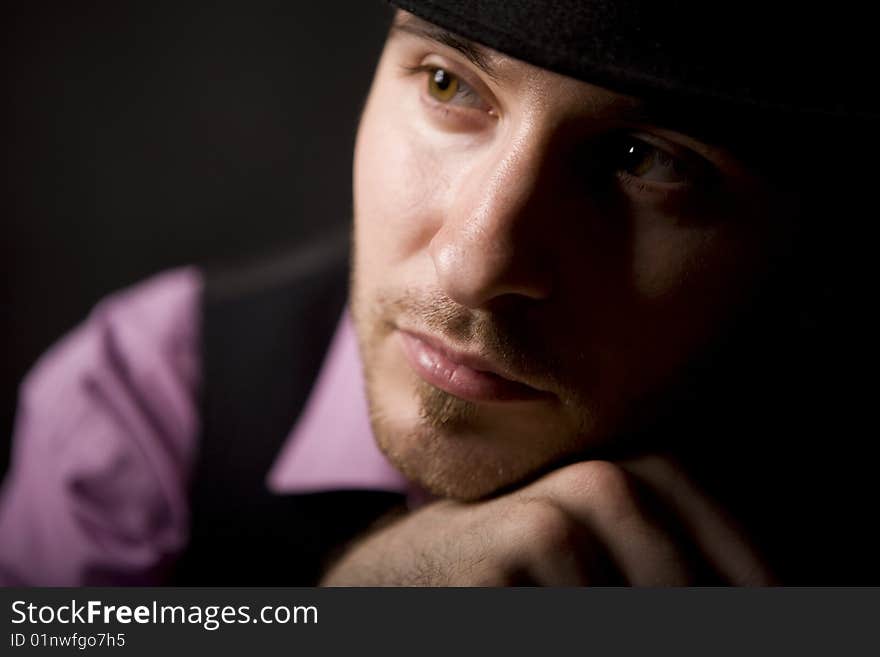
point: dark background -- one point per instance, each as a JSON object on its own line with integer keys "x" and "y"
{"x": 140, "y": 136}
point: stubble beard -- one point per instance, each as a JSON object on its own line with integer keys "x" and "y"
{"x": 446, "y": 450}
{"x": 447, "y": 446}
{"x": 418, "y": 451}
{"x": 438, "y": 410}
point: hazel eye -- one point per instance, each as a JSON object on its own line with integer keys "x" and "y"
{"x": 645, "y": 161}
{"x": 442, "y": 85}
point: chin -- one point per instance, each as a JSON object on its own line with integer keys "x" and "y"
{"x": 461, "y": 450}
{"x": 453, "y": 448}
{"x": 448, "y": 465}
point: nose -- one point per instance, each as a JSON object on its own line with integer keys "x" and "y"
{"x": 491, "y": 242}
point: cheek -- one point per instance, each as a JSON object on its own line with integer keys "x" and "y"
{"x": 667, "y": 261}
{"x": 687, "y": 284}
{"x": 714, "y": 247}
{"x": 396, "y": 182}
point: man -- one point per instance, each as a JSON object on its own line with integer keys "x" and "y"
{"x": 570, "y": 240}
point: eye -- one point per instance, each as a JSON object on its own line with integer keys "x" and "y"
{"x": 442, "y": 85}
{"x": 645, "y": 161}
{"x": 448, "y": 88}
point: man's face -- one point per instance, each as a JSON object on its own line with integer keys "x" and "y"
{"x": 535, "y": 261}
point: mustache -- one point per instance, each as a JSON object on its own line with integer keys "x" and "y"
{"x": 506, "y": 335}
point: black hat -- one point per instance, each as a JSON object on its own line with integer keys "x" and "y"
{"x": 806, "y": 58}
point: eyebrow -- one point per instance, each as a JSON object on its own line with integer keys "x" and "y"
{"x": 691, "y": 123}
{"x": 482, "y": 58}
{"x": 473, "y": 52}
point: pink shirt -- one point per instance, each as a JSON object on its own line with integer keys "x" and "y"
{"x": 106, "y": 436}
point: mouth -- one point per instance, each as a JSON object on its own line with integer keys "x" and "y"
{"x": 467, "y": 376}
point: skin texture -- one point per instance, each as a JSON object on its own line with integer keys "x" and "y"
{"x": 513, "y": 220}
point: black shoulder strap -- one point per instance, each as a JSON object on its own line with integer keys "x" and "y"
{"x": 265, "y": 333}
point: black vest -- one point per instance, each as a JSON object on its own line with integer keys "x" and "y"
{"x": 265, "y": 333}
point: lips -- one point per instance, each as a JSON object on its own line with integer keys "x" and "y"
{"x": 469, "y": 377}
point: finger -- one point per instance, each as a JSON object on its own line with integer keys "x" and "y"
{"x": 604, "y": 497}
{"x": 550, "y": 548}
{"x": 715, "y": 532}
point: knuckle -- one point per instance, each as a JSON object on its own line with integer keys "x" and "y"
{"x": 610, "y": 489}
{"x": 545, "y": 526}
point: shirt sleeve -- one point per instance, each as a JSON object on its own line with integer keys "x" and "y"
{"x": 104, "y": 442}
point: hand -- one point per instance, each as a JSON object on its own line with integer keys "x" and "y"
{"x": 640, "y": 522}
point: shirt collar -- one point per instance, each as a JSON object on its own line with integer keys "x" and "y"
{"x": 331, "y": 446}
